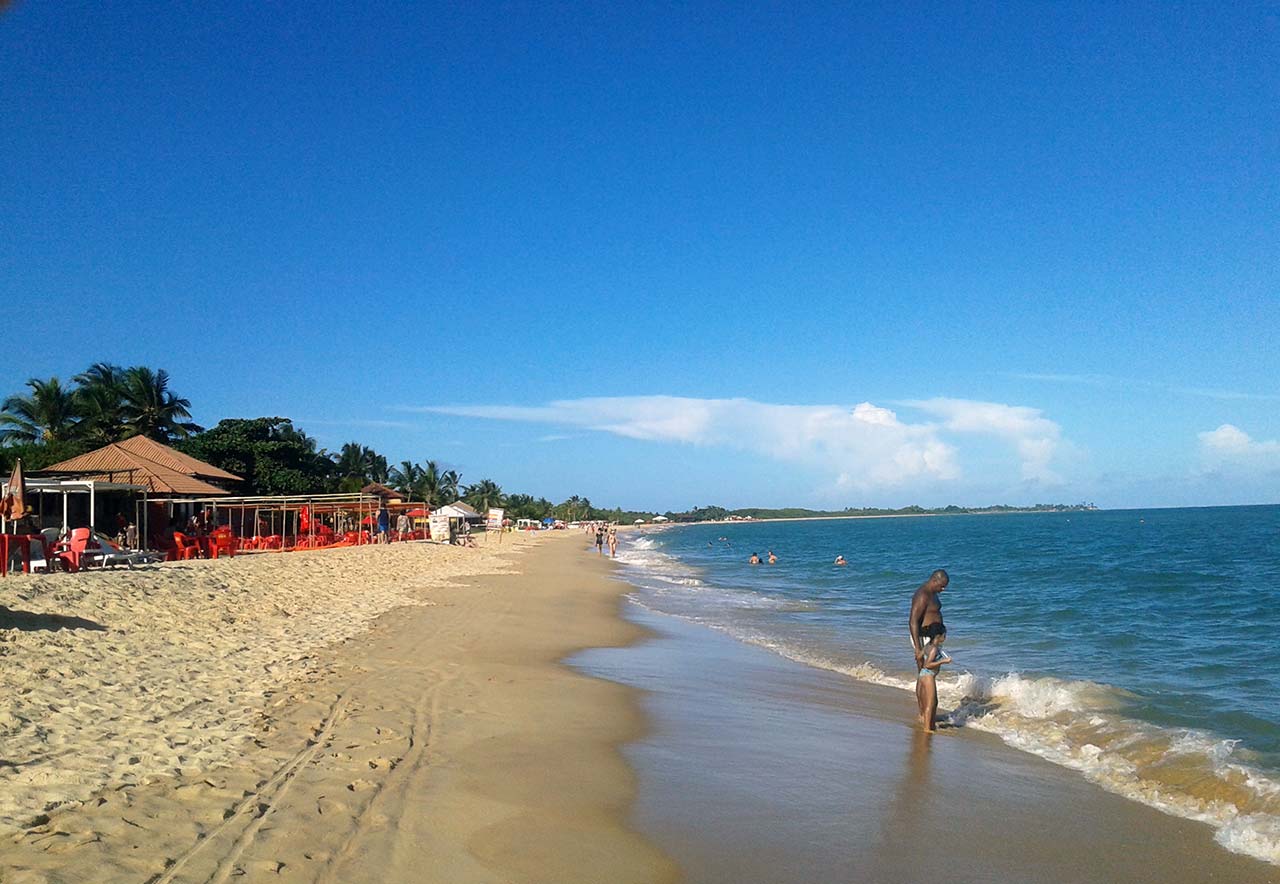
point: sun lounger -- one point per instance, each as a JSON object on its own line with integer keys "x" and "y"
{"x": 110, "y": 554}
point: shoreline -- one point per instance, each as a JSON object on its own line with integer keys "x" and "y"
{"x": 827, "y": 778}
{"x": 446, "y": 742}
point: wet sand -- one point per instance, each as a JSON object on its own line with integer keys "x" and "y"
{"x": 442, "y": 741}
{"x": 758, "y": 769}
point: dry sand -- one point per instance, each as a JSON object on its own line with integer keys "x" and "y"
{"x": 344, "y": 715}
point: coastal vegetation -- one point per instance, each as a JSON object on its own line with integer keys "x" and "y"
{"x": 717, "y": 513}
{"x": 52, "y": 421}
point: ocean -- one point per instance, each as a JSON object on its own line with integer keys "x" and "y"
{"x": 1131, "y": 646}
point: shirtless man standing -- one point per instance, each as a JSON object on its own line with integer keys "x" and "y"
{"x": 925, "y": 625}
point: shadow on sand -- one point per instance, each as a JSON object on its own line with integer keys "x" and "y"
{"x": 29, "y": 621}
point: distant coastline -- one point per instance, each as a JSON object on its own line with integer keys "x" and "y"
{"x": 718, "y": 515}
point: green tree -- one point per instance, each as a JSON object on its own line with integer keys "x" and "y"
{"x": 100, "y": 403}
{"x": 47, "y": 414}
{"x": 272, "y": 455}
{"x": 430, "y": 483}
{"x": 483, "y": 494}
{"x": 357, "y": 465}
{"x": 524, "y": 506}
{"x": 149, "y": 408}
{"x": 450, "y": 483}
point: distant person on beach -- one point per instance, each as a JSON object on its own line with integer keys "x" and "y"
{"x": 402, "y": 525}
{"x": 600, "y": 538}
{"x": 773, "y": 560}
{"x": 613, "y": 541}
{"x": 925, "y": 625}
{"x": 384, "y": 524}
{"x": 754, "y": 560}
{"x": 840, "y": 560}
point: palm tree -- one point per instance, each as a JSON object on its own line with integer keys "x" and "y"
{"x": 407, "y": 479}
{"x": 49, "y": 414}
{"x": 449, "y": 482}
{"x": 524, "y": 506}
{"x": 350, "y": 460}
{"x": 483, "y": 494}
{"x": 150, "y": 409}
{"x": 100, "y": 401}
{"x": 431, "y": 483}
{"x": 571, "y": 506}
{"x": 377, "y": 468}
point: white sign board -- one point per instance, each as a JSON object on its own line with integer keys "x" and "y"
{"x": 494, "y": 520}
{"x": 439, "y": 526}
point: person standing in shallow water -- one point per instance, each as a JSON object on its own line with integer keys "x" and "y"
{"x": 925, "y": 625}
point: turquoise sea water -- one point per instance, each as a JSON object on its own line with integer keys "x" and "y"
{"x": 1135, "y": 647}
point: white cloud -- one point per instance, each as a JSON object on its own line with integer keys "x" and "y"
{"x": 1103, "y": 380}
{"x": 863, "y": 447}
{"x": 1230, "y": 443}
{"x": 1035, "y": 437}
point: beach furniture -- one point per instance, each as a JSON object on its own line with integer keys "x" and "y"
{"x": 183, "y": 548}
{"x": 72, "y": 552}
{"x": 110, "y": 554}
{"x": 223, "y": 543}
{"x": 25, "y": 553}
{"x": 38, "y": 559}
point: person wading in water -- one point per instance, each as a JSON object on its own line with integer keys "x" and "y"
{"x": 925, "y": 625}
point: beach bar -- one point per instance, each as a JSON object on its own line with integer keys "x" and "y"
{"x": 156, "y": 473}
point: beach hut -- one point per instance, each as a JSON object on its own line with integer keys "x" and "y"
{"x": 387, "y": 494}
{"x": 459, "y": 510}
{"x": 129, "y": 469}
{"x": 138, "y": 460}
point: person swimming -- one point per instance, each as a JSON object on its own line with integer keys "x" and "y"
{"x": 754, "y": 560}
{"x": 773, "y": 560}
{"x": 840, "y": 560}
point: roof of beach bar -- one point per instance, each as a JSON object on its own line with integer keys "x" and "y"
{"x": 143, "y": 461}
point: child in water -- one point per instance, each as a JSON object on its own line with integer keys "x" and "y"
{"x": 926, "y": 682}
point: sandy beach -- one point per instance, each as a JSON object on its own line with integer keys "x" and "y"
{"x": 375, "y": 714}
{"x": 420, "y": 713}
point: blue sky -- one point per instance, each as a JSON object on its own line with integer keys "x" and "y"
{"x": 667, "y": 255}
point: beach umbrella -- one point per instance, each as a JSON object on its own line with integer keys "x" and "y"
{"x": 367, "y": 520}
{"x": 14, "y": 505}
{"x": 418, "y": 513}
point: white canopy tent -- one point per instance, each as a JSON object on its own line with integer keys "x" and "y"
{"x": 38, "y": 488}
{"x": 458, "y": 510}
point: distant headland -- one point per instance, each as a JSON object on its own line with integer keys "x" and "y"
{"x": 760, "y": 514}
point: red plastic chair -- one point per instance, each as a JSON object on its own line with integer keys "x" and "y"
{"x": 184, "y": 548}
{"x": 224, "y": 543}
{"x": 71, "y": 552}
